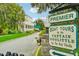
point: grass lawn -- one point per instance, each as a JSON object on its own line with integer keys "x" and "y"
{"x": 13, "y": 36}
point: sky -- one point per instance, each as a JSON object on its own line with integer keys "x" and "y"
{"x": 33, "y": 12}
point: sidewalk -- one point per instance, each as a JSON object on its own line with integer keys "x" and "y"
{"x": 43, "y": 49}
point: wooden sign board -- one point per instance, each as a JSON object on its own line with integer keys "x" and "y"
{"x": 64, "y": 36}
{"x": 63, "y": 17}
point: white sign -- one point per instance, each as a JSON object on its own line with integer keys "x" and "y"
{"x": 63, "y": 36}
{"x": 63, "y": 17}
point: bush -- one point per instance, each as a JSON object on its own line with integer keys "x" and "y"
{"x": 1, "y": 31}
{"x": 30, "y": 31}
{"x": 42, "y": 32}
{"x": 11, "y": 32}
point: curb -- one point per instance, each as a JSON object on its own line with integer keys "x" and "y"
{"x": 37, "y": 50}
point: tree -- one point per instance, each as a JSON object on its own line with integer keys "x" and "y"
{"x": 47, "y": 6}
{"x": 11, "y": 16}
{"x": 40, "y": 23}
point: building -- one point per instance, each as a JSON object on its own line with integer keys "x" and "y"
{"x": 28, "y": 24}
{"x": 46, "y": 22}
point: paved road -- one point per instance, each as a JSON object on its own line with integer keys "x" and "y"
{"x": 25, "y": 45}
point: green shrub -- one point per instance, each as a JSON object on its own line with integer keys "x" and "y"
{"x": 30, "y": 31}
{"x": 42, "y": 32}
{"x": 11, "y": 32}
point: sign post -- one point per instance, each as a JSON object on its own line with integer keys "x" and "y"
{"x": 63, "y": 37}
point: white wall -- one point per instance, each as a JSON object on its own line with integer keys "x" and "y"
{"x": 28, "y": 24}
